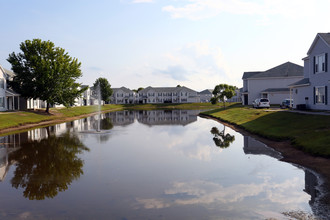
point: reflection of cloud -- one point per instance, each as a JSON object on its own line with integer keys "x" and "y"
{"x": 153, "y": 203}
{"x": 191, "y": 144}
{"x": 205, "y": 192}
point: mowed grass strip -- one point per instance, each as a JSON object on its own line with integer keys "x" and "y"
{"x": 84, "y": 110}
{"x": 311, "y": 133}
{"x": 14, "y": 119}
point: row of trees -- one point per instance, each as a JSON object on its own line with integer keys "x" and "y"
{"x": 48, "y": 73}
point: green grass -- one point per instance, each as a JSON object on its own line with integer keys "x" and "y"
{"x": 84, "y": 110}
{"x": 16, "y": 119}
{"x": 311, "y": 133}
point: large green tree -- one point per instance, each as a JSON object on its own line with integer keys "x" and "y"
{"x": 46, "y": 72}
{"x": 223, "y": 92}
{"x": 105, "y": 88}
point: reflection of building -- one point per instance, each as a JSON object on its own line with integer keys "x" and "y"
{"x": 310, "y": 185}
{"x": 163, "y": 117}
{"x": 8, "y": 144}
{"x": 121, "y": 117}
{"x": 252, "y": 146}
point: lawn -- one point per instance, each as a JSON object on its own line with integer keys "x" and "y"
{"x": 311, "y": 133}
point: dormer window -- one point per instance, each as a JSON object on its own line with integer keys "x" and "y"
{"x": 320, "y": 63}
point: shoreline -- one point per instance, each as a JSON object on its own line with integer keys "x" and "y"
{"x": 28, "y": 126}
{"x": 294, "y": 156}
{"x": 317, "y": 164}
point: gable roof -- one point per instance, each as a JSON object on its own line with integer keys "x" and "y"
{"x": 206, "y": 91}
{"x": 325, "y": 37}
{"x": 303, "y": 82}
{"x": 165, "y": 89}
{"x": 287, "y": 69}
{"x": 124, "y": 89}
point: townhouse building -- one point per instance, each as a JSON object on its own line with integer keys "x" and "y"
{"x": 272, "y": 84}
{"x": 155, "y": 95}
{"x": 123, "y": 95}
{"x": 312, "y": 91}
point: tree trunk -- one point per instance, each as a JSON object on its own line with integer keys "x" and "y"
{"x": 47, "y": 108}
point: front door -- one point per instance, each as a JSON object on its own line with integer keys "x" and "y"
{"x": 246, "y": 98}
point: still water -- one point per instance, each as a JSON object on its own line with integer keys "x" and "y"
{"x": 148, "y": 165}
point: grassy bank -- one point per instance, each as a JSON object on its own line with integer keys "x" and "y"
{"x": 16, "y": 119}
{"x": 311, "y": 133}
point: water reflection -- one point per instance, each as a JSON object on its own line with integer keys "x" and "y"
{"x": 148, "y": 172}
{"x": 48, "y": 166}
{"x": 221, "y": 139}
{"x": 252, "y": 146}
{"x": 8, "y": 144}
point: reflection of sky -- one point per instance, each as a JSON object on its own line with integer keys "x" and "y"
{"x": 166, "y": 167}
{"x": 171, "y": 172}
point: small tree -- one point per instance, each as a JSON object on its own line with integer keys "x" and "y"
{"x": 223, "y": 92}
{"x": 105, "y": 88}
{"x": 46, "y": 72}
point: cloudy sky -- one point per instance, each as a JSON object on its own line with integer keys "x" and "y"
{"x": 195, "y": 43}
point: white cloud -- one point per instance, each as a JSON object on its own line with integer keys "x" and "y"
{"x": 196, "y": 65}
{"x": 200, "y": 9}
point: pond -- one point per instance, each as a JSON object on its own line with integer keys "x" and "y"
{"x": 149, "y": 165}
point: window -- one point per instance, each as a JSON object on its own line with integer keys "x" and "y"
{"x": 2, "y": 102}
{"x": 320, "y": 95}
{"x": 2, "y": 83}
{"x": 320, "y": 63}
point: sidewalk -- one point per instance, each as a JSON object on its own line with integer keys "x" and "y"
{"x": 326, "y": 113}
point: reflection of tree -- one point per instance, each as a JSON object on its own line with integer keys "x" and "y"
{"x": 221, "y": 139}
{"x": 48, "y": 166}
{"x": 106, "y": 124}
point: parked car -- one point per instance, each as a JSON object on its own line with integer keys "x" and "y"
{"x": 286, "y": 103}
{"x": 261, "y": 103}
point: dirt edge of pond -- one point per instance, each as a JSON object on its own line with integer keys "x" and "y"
{"x": 292, "y": 155}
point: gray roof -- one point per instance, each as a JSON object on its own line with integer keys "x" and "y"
{"x": 206, "y": 92}
{"x": 247, "y": 75}
{"x": 270, "y": 90}
{"x": 303, "y": 82}
{"x": 324, "y": 36}
{"x": 10, "y": 92}
{"x": 165, "y": 89}
{"x": 9, "y": 74}
{"x": 126, "y": 90}
{"x": 287, "y": 69}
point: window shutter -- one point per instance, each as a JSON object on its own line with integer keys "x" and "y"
{"x": 326, "y": 62}
{"x": 314, "y": 65}
{"x": 326, "y": 94}
{"x": 314, "y": 95}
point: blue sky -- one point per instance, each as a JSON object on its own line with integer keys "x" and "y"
{"x": 195, "y": 43}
